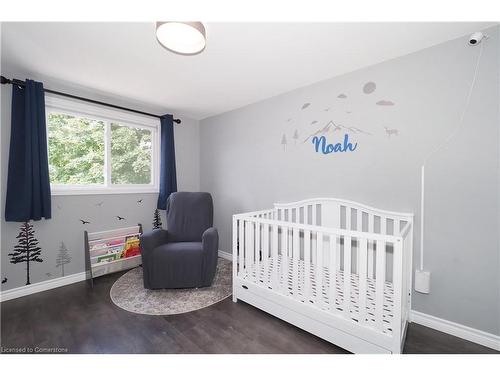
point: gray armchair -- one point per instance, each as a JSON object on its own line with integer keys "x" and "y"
{"x": 185, "y": 255}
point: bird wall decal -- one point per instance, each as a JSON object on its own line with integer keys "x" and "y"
{"x": 390, "y": 132}
{"x": 139, "y": 201}
{"x": 4, "y": 280}
{"x": 84, "y": 221}
{"x": 120, "y": 218}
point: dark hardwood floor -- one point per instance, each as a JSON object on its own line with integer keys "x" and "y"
{"x": 76, "y": 319}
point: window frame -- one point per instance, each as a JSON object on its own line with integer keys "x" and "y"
{"x": 57, "y": 104}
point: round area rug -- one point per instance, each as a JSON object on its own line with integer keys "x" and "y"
{"x": 129, "y": 293}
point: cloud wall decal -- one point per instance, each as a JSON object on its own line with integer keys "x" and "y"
{"x": 369, "y": 87}
{"x": 385, "y": 102}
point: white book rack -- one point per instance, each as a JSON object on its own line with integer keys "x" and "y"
{"x": 103, "y": 249}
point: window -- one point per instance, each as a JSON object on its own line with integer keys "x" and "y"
{"x": 97, "y": 150}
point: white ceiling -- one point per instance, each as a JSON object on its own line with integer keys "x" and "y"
{"x": 243, "y": 62}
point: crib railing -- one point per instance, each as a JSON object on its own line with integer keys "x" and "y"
{"x": 343, "y": 270}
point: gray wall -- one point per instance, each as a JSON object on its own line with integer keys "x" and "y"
{"x": 67, "y": 210}
{"x": 245, "y": 167}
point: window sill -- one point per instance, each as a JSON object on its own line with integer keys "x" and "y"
{"x": 57, "y": 192}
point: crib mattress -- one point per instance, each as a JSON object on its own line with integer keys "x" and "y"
{"x": 259, "y": 274}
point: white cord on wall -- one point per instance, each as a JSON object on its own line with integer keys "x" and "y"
{"x": 438, "y": 148}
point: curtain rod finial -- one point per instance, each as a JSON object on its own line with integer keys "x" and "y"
{"x": 4, "y": 80}
{"x": 177, "y": 120}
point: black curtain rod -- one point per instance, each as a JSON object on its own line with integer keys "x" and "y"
{"x": 18, "y": 82}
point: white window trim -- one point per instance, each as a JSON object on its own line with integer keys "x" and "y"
{"x": 54, "y": 103}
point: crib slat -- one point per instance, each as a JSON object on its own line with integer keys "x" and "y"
{"x": 306, "y": 214}
{"x": 241, "y": 244}
{"x": 284, "y": 258}
{"x": 333, "y": 272}
{"x": 359, "y": 228}
{"x": 347, "y": 275}
{"x": 371, "y": 244}
{"x": 338, "y": 254}
{"x": 379, "y": 283}
{"x": 257, "y": 251}
{"x": 348, "y": 222}
{"x": 252, "y": 246}
{"x": 265, "y": 250}
{"x": 395, "y": 232}
{"x": 313, "y": 240}
{"x": 274, "y": 250}
{"x": 319, "y": 269}
{"x": 295, "y": 260}
{"x": 362, "y": 280}
{"x": 290, "y": 234}
{"x": 397, "y": 282}
{"x": 249, "y": 248}
{"x": 307, "y": 266}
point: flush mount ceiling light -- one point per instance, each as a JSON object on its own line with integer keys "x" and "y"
{"x": 185, "y": 38}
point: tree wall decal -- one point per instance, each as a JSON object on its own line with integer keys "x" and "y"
{"x": 63, "y": 257}
{"x": 27, "y": 249}
{"x": 283, "y": 142}
{"x": 296, "y": 136}
{"x": 157, "y": 220}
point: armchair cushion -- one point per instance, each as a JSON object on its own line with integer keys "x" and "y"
{"x": 178, "y": 264}
{"x": 188, "y": 216}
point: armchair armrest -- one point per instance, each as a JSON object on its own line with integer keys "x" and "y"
{"x": 210, "y": 244}
{"x": 210, "y": 240}
{"x": 149, "y": 241}
{"x": 153, "y": 239}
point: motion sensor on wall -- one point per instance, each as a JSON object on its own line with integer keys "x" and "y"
{"x": 476, "y": 38}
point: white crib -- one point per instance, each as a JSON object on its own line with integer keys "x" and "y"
{"x": 300, "y": 260}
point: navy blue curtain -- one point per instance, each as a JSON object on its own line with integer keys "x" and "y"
{"x": 28, "y": 184}
{"x": 168, "y": 176}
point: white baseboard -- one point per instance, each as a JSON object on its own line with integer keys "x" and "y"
{"x": 467, "y": 333}
{"x": 41, "y": 286}
{"x": 225, "y": 255}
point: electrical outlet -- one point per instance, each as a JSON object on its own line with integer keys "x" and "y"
{"x": 422, "y": 281}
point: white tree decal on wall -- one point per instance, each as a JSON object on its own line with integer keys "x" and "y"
{"x": 63, "y": 257}
{"x": 283, "y": 142}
